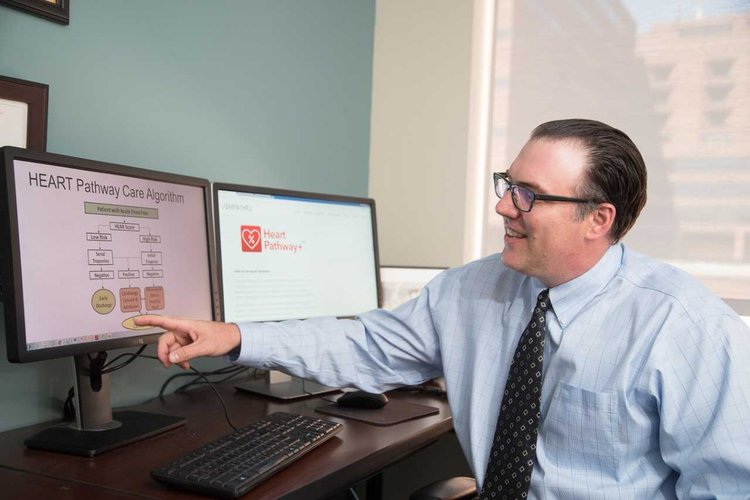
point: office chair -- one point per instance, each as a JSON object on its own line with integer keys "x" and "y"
{"x": 454, "y": 488}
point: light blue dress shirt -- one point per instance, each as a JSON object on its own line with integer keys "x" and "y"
{"x": 646, "y": 390}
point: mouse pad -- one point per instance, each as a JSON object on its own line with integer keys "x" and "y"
{"x": 392, "y": 413}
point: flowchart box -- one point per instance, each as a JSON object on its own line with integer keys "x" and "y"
{"x": 98, "y": 236}
{"x": 154, "y": 298}
{"x": 129, "y": 274}
{"x": 151, "y": 258}
{"x": 149, "y": 238}
{"x": 130, "y": 299}
{"x": 124, "y": 226}
{"x": 99, "y": 257}
{"x": 101, "y": 275}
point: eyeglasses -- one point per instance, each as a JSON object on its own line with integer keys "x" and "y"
{"x": 523, "y": 197}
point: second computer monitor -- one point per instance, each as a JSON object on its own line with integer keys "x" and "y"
{"x": 294, "y": 255}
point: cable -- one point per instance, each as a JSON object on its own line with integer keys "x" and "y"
{"x": 200, "y": 374}
{"x": 108, "y": 368}
{"x": 97, "y": 367}
{"x": 221, "y": 400}
{"x": 95, "y": 370}
{"x": 69, "y": 409}
{"x": 231, "y": 371}
{"x": 100, "y": 369}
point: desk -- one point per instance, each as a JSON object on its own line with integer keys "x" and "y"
{"x": 19, "y": 484}
{"x": 358, "y": 452}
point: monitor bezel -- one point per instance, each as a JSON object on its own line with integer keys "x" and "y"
{"x": 10, "y": 260}
{"x": 243, "y": 188}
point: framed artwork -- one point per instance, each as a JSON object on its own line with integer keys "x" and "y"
{"x": 23, "y": 113}
{"x": 402, "y": 283}
{"x": 54, "y": 10}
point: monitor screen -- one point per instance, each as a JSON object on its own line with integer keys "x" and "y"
{"x": 294, "y": 255}
{"x": 86, "y": 247}
{"x": 90, "y": 245}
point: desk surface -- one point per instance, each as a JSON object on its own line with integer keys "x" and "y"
{"x": 359, "y": 451}
{"x": 19, "y": 484}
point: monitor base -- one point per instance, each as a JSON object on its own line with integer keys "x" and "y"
{"x": 292, "y": 389}
{"x": 134, "y": 426}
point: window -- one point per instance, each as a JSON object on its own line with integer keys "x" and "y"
{"x": 719, "y": 67}
{"x": 716, "y": 117}
{"x": 660, "y": 72}
{"x": 718, "y": 92}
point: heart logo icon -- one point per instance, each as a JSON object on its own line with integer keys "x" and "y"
{"x": 251, "y": 241}
{"x": 252, "y": 238}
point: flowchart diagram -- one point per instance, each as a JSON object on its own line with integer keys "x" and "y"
{"x": 130, "y": 261}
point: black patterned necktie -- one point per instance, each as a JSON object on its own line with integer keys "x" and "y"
{"x": 514, "y": 447}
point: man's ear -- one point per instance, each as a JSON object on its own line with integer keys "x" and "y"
{"x": 601, "y": 220}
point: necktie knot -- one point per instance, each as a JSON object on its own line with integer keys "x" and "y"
{"x": 542, "y": 301}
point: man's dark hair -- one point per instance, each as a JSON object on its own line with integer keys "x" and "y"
{"x": 616, "y": 172}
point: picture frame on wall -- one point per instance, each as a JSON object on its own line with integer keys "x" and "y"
{"x": 54, "y": 10}
{"x": 23, "y": 113}
{"x": 402, "y": 283}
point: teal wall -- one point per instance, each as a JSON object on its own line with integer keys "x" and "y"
{"x": 263, "y": 92}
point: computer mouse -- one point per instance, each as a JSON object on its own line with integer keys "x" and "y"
{"x": 362, "y": 399}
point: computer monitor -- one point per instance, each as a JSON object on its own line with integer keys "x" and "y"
{"x": 293, "y": 255}
{"x": 86, "y": 247}
{"x": 402, "y": 283}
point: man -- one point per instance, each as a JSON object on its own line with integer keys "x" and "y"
{"x": 645, "y": 376}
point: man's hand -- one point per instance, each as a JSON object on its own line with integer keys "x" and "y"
{"x": 186, "y": 339}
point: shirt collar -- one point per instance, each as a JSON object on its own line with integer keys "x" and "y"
{"x": 570, "y": 298}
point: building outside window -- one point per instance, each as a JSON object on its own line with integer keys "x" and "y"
{"x": 675, "y": 76}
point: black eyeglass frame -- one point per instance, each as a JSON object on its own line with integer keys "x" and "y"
{"x": 513, "y": 188}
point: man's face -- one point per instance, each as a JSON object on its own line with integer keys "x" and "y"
{"x": 548, "y": 242}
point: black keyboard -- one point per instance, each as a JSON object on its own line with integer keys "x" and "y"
{"x": 232, "y": 465}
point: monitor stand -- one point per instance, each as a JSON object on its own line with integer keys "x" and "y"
{"x": 96, "y": 428}
{"x": 279, "y": 385}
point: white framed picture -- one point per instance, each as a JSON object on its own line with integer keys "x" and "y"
{"x": 402, "y": 283}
